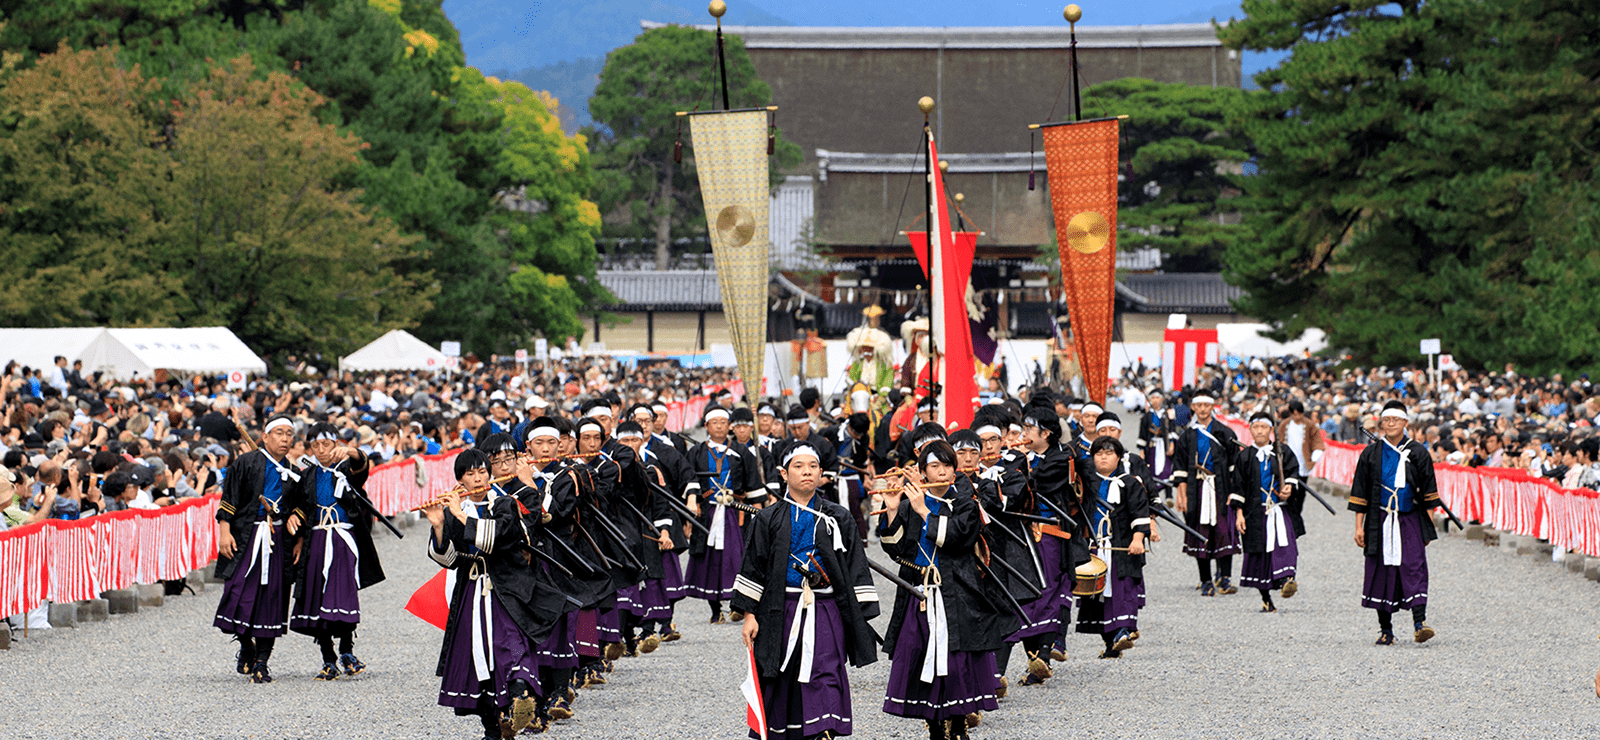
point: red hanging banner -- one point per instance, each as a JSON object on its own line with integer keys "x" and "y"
{"x": 1081, "y": 158}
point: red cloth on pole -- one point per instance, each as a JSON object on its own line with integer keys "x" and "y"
{"x": 952, "y": 332}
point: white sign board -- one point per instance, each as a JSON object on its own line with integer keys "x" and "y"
{"x": 1448, "y": 362}
{"x": 450, "y": 349}
{"x": 522, "y": 355}
{"x": 236, "y": 380}
{"x": 541, "y": 349}
{"x": 1430, "y": 346}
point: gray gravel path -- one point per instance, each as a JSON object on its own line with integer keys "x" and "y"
{"x": 1514, "y": 658}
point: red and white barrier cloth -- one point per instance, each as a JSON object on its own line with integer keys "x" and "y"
{"x": 64, "y": 561}
{"x": 1504, "y": 498}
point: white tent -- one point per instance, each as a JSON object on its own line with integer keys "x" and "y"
{"x": 397, "y": 350}
{"x": 38, "y": 348}
{"x": 207, "y": 349}
{"x": 1245, "y": 340}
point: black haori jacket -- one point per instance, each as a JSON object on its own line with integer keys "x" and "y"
{"x": 979, "y": 615}
{"x": 557, "y": 495}
{"x": 1054, "y": 478}
{"x": 1368, "y": 491}
{"x": 760, "y": 587}
{"x": 240, "y": 506}
{"x": 614, "y": 477}
{"x": 1186, "y": 468}
{"x": 744, "y": 482}
{"x": 1131, "y": 515}
{"x": 501, "y": 538}
{"x": 369, "y": 569}
{"x": 1246, "y": 495}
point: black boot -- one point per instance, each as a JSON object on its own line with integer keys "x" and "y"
{"x": 259, "y": 672}
{"x": 936, "y": 729}
{"x": 246, "y": 656}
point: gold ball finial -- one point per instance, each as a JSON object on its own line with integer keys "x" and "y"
{"x": 944, "y": 165}
{"x": 1072, "y": 13}
{"x": 718, "y": 8}
{"x": 926, "y": 105}
{"x": 960, "y": 198}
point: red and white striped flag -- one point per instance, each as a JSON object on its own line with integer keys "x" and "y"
{"x": 755, "y": 710}
{"x": 431, "y": 603}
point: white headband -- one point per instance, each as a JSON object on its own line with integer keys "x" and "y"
{"x": 987, "y": 429}
{"x": 716, "y": 414}
{"x": 929, "y": 458}
{"x": 591, "y": 424}
{"x": 275, "y": 423}
{"x": 659, "y": 408}
{"x": 1097, "y": 408}
{"x": 538, "y": 432}
{"x": 1108, "y": 423}
{"x": 1203, "y": 398}
{"x": 1014, "y": 427}
{"x": 968, "y": 445}
{"x": 630, "y": 435}
{"x": 798, "y": 450}
{"x": 767, "y": 411}
{"x": 744, "y": 422}
{"x": 598, "y": 412}
{"x": 1074, "y": 406}
{"x": 1396, "y": 413}
{"x": 330, "y": 436}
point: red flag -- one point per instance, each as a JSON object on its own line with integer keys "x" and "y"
{"x": 755, "y": 715}
{"x": 952, "y": 332}
{"x": 431, "y": 603}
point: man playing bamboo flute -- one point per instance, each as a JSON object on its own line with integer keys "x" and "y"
{"x": 1201, "y": 465}
{"x": 1391, "y": 493}
{"x": 340, "y": 559}
{"x": 1266, "y": 476}
{"x": 818, "y": 619}
{"x": 486, "y": 663}
{"x": 261, "y": 511}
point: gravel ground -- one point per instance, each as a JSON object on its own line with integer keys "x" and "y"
{"x": 1514, "y": 658}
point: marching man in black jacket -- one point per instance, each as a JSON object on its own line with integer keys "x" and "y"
{"x": 804, "y": 631}
{"x": 339, "y": 558}
{"x": 1391, "y": 493}
{"x": 261, "y": 512}
{"x": 1266, "y": 478}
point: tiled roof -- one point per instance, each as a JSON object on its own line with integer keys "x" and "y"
{"x": 1203, "y": 292}
{"x": 663, "y": 290}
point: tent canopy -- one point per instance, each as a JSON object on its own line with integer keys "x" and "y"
{"x": 208, "y": 349}
{"x": 397, "y": 350}
{"x": 38, "y": 348}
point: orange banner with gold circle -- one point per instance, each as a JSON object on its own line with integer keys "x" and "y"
{"x": 1081, "y": 158}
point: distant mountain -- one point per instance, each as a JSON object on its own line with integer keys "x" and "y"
{"x": 572, "y": 83}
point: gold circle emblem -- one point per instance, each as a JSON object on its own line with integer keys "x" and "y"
{"x": 1088, "y": 232}
{"x": 736, "y": 225}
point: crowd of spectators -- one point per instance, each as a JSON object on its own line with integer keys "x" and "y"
{"x": 1548, "y": 426}
{"x": 76, "y": 444}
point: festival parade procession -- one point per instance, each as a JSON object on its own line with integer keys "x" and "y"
{"x": 658, "y": 385}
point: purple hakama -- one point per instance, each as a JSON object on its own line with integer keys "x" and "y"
{"x": 799, "y": 710}
{"x": 587, "y": 637}
{"x": 1405, "y": 586}
{"x": 1045, "y": 612}
{"x": 560, "y": 650}
{"x": 331, "y": 599}
{"x": 1101, "y": 615}
{"x": 511, "y": 657}
{"x": 969, "y": 687}
{"x": 1222, "y": 539}
{"x": 652, "y": 601}
{"x": 1261, "y": 569}
{"x": 711, "y": 573}
{"x": 249, "y": 607}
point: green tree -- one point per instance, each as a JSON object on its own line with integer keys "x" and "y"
{"x": 642, "y": 191}
{"x": 264, "y": 239}
{"x": 1183, "y": 164}
{"x": 80, "y": 184}
{"x": 1409, "y": 154}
